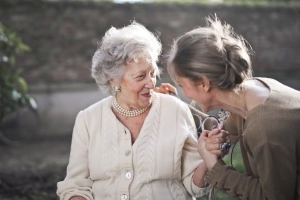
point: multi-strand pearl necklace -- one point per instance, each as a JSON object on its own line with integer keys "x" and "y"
{"x": 127, "y": 113}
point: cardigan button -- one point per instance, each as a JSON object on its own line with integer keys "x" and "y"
{"x": 127, "y": 153}
{"x": 124, "y": 197}
{"x": 128, "y": 175}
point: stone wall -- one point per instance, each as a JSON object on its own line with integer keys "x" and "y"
{"x": 63, "y": 36}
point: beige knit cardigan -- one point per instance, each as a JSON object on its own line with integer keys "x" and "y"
{"x": 158, "y": 166}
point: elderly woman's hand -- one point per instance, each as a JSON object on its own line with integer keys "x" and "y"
{"x": 209, "y": 158}
{"x": 166, "y": 88}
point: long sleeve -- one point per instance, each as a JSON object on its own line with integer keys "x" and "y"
{"x": 191, "y": 158}
{"x": 227, "y": 179}
{"x": 233, "y": 125}
{"x": 271, "y": 151}
{"x": 275, "y": 167}
{"x": 277, "y": 173}
{"x": 233, "y": 183}
{"x": 272, "y": 147}
{"x": 77, "y": 181}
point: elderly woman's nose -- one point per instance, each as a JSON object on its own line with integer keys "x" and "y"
{"x": 150, "y": 82}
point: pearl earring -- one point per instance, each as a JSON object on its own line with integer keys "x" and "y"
{"x": 117, "y": 88}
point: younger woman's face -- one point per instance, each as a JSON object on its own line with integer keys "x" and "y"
{"x": 195, "y": 92}
{"x": 137, "y": 85}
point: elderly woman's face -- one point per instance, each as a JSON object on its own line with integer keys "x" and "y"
{"x": 137, "y": 85}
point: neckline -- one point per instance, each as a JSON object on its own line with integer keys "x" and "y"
{"x": 128, "y": 113}
{"x": 266, "y": 101}
{"x": 146, "y": 121}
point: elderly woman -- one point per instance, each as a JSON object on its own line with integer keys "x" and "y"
{"x": 213, "y": 67}
{"x": 135, "y": 144}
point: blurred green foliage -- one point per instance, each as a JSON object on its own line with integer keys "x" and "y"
{"x": 13, "y": 88}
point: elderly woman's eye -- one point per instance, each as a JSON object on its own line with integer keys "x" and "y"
{"x": 140, "y": 76}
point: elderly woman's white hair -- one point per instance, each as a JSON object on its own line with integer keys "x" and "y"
{"x": 119, "y": 47}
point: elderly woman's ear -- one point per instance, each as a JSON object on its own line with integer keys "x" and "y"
{"x": 113, "y": 83}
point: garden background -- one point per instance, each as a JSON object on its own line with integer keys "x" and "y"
{"x": 62, "y": 36}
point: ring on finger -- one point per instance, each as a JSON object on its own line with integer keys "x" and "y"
{"x": 225, "y": 146}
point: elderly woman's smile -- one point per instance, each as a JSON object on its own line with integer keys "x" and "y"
{"x": 137, "y": 84}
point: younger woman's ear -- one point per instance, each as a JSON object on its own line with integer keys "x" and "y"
{"x": 206, "y": 84}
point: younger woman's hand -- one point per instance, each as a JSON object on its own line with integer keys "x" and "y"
{"x": 166, "y": 88}
{"x": 215, "y": 140}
